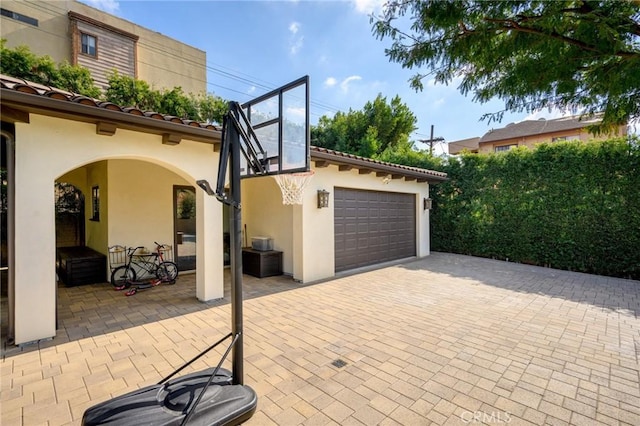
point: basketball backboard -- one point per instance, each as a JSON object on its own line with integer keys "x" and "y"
{"x": 280, "y": 121}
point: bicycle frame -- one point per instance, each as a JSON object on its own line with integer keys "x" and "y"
{"x": 144, "y": 264}
{"x": 142, "y": 269}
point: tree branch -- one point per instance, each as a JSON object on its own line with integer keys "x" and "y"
{"x": 510, "y": 24}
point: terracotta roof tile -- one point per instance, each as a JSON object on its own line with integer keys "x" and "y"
{"x": 133, "y": 110}
{"x": 84, "y": 101}
{"x": 21, "y": 85}
{"x": 374, "y": 163}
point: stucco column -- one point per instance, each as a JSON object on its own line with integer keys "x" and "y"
{"x": 424, "y": 235}
{"x": 209, "y": 248}
{"x": 35, "y": 245}
{"x": 298, "y": 242}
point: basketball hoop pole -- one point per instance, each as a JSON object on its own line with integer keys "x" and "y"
{"x": 236, "y": 252}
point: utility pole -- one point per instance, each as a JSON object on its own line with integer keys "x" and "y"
{"x": 431, "y": 141}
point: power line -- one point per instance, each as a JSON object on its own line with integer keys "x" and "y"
{"x": 261, "y": 85}
{"x": 431, "y": 141}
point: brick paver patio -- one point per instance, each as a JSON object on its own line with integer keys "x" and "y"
{"x": 447, "y": 339}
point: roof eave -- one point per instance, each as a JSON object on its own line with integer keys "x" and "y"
{"x": 38, "y": 104}
{"x": 377, "y": 167}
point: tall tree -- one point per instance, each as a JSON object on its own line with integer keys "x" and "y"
{"x": 576, "y": 54}
{"x": 379, "y": 126}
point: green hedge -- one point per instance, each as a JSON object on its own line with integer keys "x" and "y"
{"x": 571, "y": 205}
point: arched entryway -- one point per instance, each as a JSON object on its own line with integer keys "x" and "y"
{"x": 132, "y": 176}
{"x": 70, "y": 216}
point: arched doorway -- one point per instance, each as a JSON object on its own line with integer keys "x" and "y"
{"x": 70, "y": 226}
{"x": 7, "y": 231}
{"x": 184, "y": 204}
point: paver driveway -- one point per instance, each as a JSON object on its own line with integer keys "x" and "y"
{"x": 447, "y": 339}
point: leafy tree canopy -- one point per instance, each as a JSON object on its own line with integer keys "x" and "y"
{"x": 575, "y": 54}
{"x": 21, "y": 62}
{"x": 125, "y": 90}
{"x": 379, "y": 126}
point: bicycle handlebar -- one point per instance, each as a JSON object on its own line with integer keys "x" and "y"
{"x": 132, "y": 250}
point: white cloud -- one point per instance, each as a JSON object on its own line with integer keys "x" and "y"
{"x": 453, "y": 84}
{"x": 251, "y": 90}
{"x": 299, "y": 113}
{"x": 109, "y": 6}
{"x": 296, "y": 45}
{"x": 345, "y": 83}
{"x": 368, "y": 6}
{"x": 296, "y": 41}
{"x": 330, "y": 82}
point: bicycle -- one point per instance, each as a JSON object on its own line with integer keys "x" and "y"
{"x": 138, "y": 261}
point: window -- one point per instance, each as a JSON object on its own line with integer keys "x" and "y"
{"x": 95, "y": 203}
{"x": 19, "y": 17}
{"x": 89, "y": 44}
{"x": 565, "y": 138}
{"x": 502, "y": 148}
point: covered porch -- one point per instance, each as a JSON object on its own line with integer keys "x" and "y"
{"x": 97, "y": 309}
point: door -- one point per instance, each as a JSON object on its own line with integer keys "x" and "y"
{"x": 372, "y": 227}
{"x": 184, "y": 214}
{"x": 7, "y": 191}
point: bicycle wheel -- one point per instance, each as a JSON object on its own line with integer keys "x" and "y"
{"x": 167, "y": 272}
{"x": 122, "y": 276}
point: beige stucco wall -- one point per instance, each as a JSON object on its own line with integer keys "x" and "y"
{"x": 141, "y": 190}
{"x": 265, "y": 216}
{"x": 48, "y": 38}
{"x": 50, "y": 148}
{"x": 305, "y": 233}
{"x": 97, "y": 231}
{"x": 162, "y": 61}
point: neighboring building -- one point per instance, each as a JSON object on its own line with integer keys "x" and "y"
{"x": 470, "y": 145}
{"x": 67, "y": 30}
{"x": 131, "y": 164}
{"x": 529, "y": 133}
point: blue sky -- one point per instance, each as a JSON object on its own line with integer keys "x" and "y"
{"x": 254, "y": 46}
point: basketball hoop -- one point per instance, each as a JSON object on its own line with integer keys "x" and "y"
{"x": 292, "y": 186}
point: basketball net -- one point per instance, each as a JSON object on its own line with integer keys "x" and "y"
{"x": 292, "y": 186}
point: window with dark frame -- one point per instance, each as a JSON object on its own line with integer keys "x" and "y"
{"x": 89, "y": 44}
{"x": 501, "y": 148}
{"x": 19, "y": 17}
{"x": 95, "y": 203}
{"x": 565, "y": 138}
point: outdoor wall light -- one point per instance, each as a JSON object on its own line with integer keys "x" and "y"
{"x": 323, "y": 198}
{"x": 427, "y": 203}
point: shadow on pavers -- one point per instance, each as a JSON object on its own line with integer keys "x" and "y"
{"x": 96, "y": 309}
{"x": 601, "y": 291}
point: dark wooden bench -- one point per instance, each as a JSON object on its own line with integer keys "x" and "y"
{"x": 80, "y": 265}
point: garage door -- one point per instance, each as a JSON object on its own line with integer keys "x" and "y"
{"x": 372, "y": 227}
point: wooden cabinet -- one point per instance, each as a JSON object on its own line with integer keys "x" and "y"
{"x": 261, "y": 263}
{"x": 81, "y": 265}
